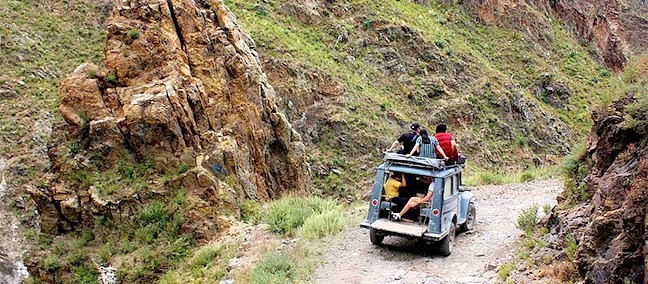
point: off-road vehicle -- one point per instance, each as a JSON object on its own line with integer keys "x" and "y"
{"x": 450, "y": 206}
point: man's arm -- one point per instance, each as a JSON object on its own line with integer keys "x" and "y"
{"x": 403, "y": 180}
{"x": 454, "y": 146}
{"x": 414, "y": 150}
{"x": 441, "y": 151}
{"x": 393, "y": 146}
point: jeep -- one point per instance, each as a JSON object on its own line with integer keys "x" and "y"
{"x": 450, "y": 206}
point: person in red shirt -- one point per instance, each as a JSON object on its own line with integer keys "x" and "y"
{"x": 447, "y": 143}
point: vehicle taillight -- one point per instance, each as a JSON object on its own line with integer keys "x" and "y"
{"x": 374, "y": 202}
{"x": 435, "y": 212}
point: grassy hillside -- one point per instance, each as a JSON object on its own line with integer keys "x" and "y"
{"x": 40, "y": 43}
{"x": 400, "y": 62}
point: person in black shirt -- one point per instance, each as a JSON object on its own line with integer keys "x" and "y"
{"x": 408, "y": 140}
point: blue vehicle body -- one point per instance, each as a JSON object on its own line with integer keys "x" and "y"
{"x": 450, "y": 206}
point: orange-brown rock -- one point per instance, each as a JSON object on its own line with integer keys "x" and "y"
{"x": 183, "y": 86}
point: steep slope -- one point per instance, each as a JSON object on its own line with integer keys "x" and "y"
{"x": 510, "y": 98}
{"x": 181, "y": 113}
{"x": 617, "y": 30}
{"x": 598, "y": 230}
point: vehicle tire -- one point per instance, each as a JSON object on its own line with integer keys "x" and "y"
{"x": 470, "y": 218}
{"x": 375, "y": 238}
{"x": 448, "y": 242}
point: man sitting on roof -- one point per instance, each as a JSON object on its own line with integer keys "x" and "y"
{"x": 447, "y": 143}
{"x": 408, "y": 140}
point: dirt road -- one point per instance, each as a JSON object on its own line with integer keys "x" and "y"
{"x": 353, "y": 259}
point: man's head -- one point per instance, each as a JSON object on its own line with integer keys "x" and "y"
{"x": 441, "y": 128}
{"x": 415, "y": 127}
{"x": 396, "y": 176}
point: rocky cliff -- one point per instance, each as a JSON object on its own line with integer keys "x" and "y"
{"x": 182, "y": 88}
{"x": 601, "y": 223}
{"x": 617, "y": 29}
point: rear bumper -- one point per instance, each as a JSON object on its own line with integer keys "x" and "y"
{"x": 426, "y": 236}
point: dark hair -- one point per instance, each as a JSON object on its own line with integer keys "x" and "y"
{"x": 441, "y": 128}
{"x": 415, "y": 126}
{"x": 424, "y": 136}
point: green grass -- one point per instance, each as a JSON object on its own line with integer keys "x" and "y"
{"x": 477, "y": 177}
{"x": 505, "y": 270}
{"x": 40, "y": 43}
{"x": 286, "y": 215}
{"x": 275, "y": 268}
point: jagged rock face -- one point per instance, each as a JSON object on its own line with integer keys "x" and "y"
{"x": 611, "y": 227}
{"x": 618, "y": 28}
{"x": 183, "y": 86}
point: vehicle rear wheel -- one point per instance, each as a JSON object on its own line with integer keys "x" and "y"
{"x": 448, "y": 242}
{"x": 375, "y": 238}
{"x": 470, "y": 218}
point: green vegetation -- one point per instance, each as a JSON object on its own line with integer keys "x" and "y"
{"x": 149, "y": 244}
{"x": 527, "y": 220}
{"x": 476, "y": 177}
{"x": 575, "y": 168}
{"x": 572, "y": 246}
{"x": 124, "y": 178}
{"x": 505, "y": 270}
{"x": 207, "y": 265}
{"x": 40, "y": 43}
{"x": 275, "y": 268}
{"x": 286, "y": 215}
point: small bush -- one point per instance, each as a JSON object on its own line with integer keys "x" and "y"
{"x": 322, "y": 225}
{"x": 205, "y": 256}
{"x": 527, "y": 176}
{"x": 51, "y": 263}
{"x": 251, "y": 211}
{"x": 546, "y": 208}
{"x": 505, "y": 270}
{"x": 153, "y": 212}
{"x": 112, "y": 78}
{"x": 489, "y": 178}
{"x": 286, "y": 215}
{"x": 133, "y": 34}
{"x": 274, "y": 268}
{"x": 86, "y": 274}
{"x": 527, "y": 220}
{"x": 572, "y": 246}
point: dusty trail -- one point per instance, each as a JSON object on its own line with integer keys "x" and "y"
{"x": 353, "y": 259}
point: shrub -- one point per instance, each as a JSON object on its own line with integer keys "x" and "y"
{"x": 153, "y": 212}
{"x": 251, "y": 211}
{"x": 322, "y": 225}
{"x": 505, "y": 270}
{"x": 205, "y": 256}
{"x": 112, "y": 78}
{"x": 85, "y": 274}
{"x": 527, "y": 176}
{"x": 286, "y": 215}
{"x": 571, "y": 248}
{"x": 133, "y": 34}
{"x": 546, "y": 208}
{"x": 51, "y": 263}
{"x": 527, "y": 220}
{"x": 274, "y": 268}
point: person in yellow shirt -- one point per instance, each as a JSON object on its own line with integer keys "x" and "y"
{"x": 392, "y": 188}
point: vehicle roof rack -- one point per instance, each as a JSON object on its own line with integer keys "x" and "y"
{"x": 437, "y": 164}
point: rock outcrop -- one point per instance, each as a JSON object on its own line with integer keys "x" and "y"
{"x": 617, "y": 28}
{"x": 184, "y": 87}
{"x": 610, "y": 228}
